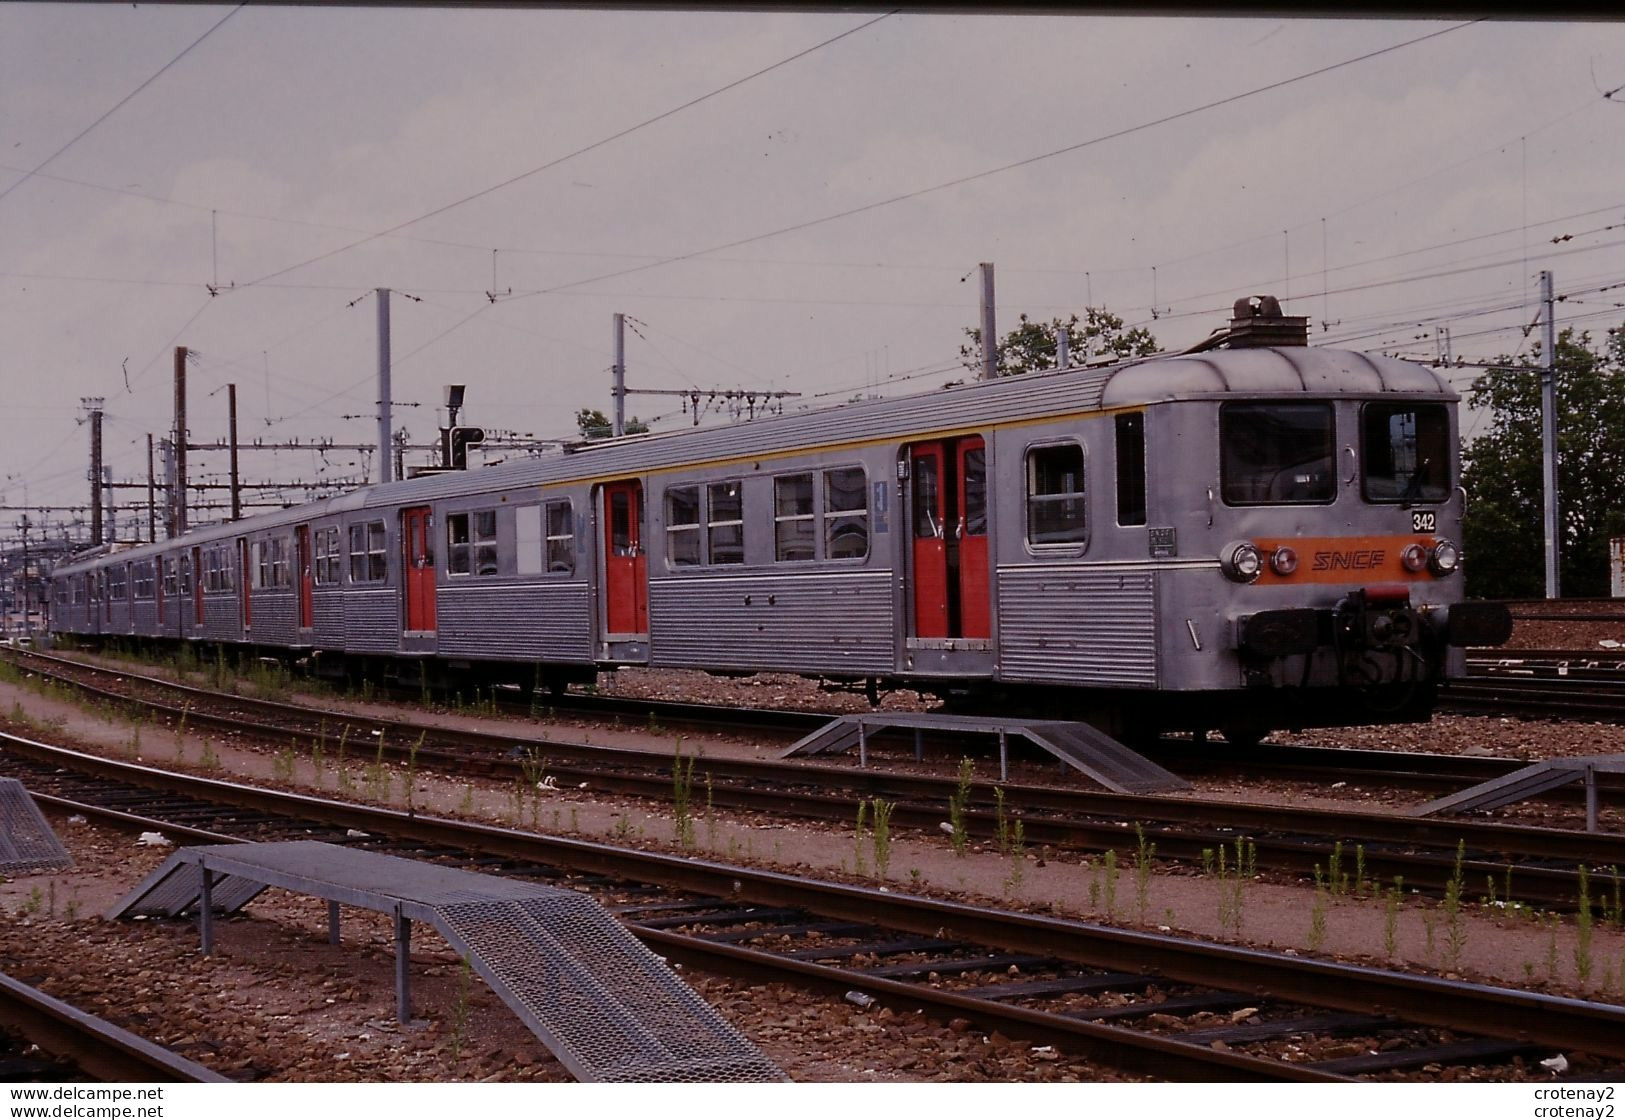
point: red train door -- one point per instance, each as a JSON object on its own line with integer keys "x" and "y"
{"x": 417, "y": 550}
{"x": 972, "y": 533}
{"x": 197, "y": 586}
{"x": 243, "y": 581}
{"x": 948, "y": 504}
{"x": 307, "y": 588}
{"x": 930, "y": 513}
{"x": 626, "y": 594}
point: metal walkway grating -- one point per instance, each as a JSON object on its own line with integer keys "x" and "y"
{"x": 1081, "y": 746}
{"x": 1530, "y": 781}
{"x": 27, "y": 842}
{"x": 605, "y": 1005}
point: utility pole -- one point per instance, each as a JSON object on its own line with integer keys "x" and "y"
{"x": 28, "y": 623}
{"x": 383, "y": 386}
{"x": 166, "y": 448}
{"x": 152, "y": 504}
{"x": 619, "y": 392}
{"x": 231, "y": 427}
{"x": 990, "y": 336}
{"x": 1548, "y": 433}
{"x": 93, "y": 405}
{"x": 112, "y": 504}
{"x": 177, "y": 494}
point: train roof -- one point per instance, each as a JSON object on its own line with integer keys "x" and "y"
{"x": 1251, "y": 371}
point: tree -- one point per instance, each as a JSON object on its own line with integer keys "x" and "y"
{"x": 1503, "y": 535}
{"x": 595, "y": 425}
{"x": 1031, "y": 346}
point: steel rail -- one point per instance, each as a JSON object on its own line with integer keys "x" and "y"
{"x": 1499, "y": 1012}
{"x": 99, "y": 1048}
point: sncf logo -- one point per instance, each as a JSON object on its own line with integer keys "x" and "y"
{"x": 1354, "y": 560}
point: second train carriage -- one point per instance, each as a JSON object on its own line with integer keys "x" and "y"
{"x": 1243, "y": 538}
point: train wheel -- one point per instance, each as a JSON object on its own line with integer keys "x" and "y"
{"x": 1244, "y": 735}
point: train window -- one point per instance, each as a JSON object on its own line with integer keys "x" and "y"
{"x": 211, "y": 570}
{"x": 171, "y": 585}
{"x": 186, "y": 575}
{"x": 559, "y": 520}
{"x": 1131, "y": 468}
{"x": 793, "y": 517}
{"x": 141, "y": 578}
{"x": 1276, "y": 454}
{"x": 1055, "y": 498}
{"x": 329, "y": 562}
{"x": 527, "y": 540}
{"x": 271, "y": 564}
{"x": 927, "y": 484}
{"x": 369, "y": 558}
{"x": 471, "y": 543}
{"x": 79, "y": 592}
{"x": 377, "y": 552}
{"x": 117, "y": 585}
{"x": 1405, "y": 452}
{"x": 725, "y": 522}
{"x": 846, "y": 514}
{"x": 458, "y": 556}
{"x": 682, "y": 525}
{"x": 975, "y": 511}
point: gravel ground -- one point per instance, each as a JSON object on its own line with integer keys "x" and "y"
{"x": 276, "y": 1002}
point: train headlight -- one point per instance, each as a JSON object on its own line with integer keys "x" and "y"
{"x": 1414, "y": 557}
{"x": 1241, "y": 561}
{"x": 1446, "y": 558}
{"x": 1283, "y": 561}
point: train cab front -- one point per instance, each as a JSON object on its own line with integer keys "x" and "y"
{"x": 1364, "y": 650}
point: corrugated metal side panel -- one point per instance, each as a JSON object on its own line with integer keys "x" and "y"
{"x": 372, "y": 621}
{"x": 274, "y": 619}
{"x": 327, "y": 612}
{"x": 1077, "y": 625}
{"x": 222, "y": 617}
{"x": 838, "y": 622}
{"x": 143, "y": 617}
{"x": 527, "y": 622}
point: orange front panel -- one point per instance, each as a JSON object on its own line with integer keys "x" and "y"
{"x": 1359, "y": 560}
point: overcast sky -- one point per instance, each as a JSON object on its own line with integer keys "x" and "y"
{"x": 260, "y": 150}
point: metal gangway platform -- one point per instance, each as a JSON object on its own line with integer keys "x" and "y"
{"x": 1531, "y": 781}
{"x": 605, "y": 1005}
{"x": 1081, "y": 746}
{"x": 27, "y": 842}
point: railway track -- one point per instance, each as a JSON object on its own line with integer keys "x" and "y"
{"x": 1567, "y": 610}
{"x": 1160, "y": 1004}
{"x": 1589, "y": 695}
{"x": 54, "y": 1041}
{"x": 1541, "y": 862}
